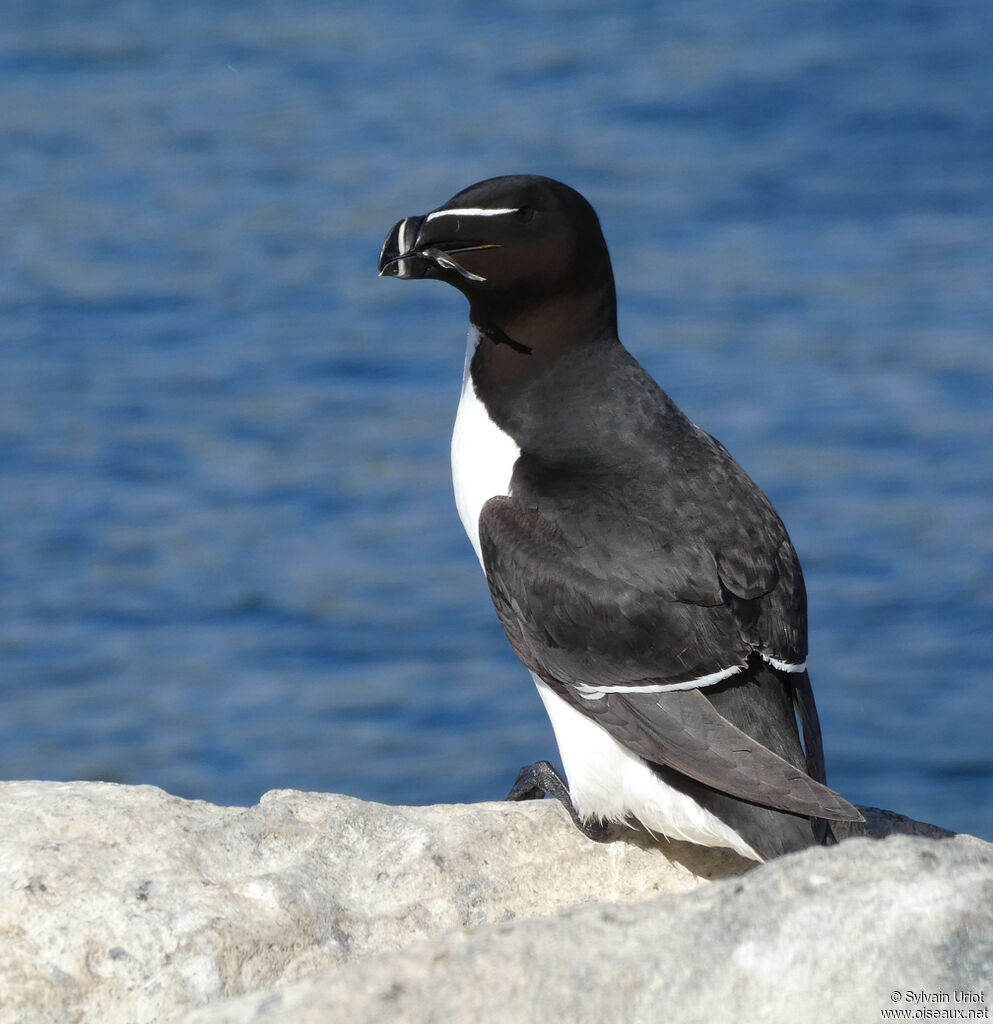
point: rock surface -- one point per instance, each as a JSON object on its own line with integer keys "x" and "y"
{"x": 821, "y": 937}
{"x": 127, "y": 904}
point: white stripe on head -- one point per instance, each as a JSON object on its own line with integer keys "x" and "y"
{"x": 596, "y": 692}
{"x": 402, "y": 240}
{"x": 470, "y": 211}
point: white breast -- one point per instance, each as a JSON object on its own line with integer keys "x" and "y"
{"x": 483, "y": 456}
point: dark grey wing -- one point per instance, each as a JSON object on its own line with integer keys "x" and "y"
{"x": 803, "y": 699}
{"x": 585, "y": 627}
{"x": 758, "y": 567}
{"x": 576, "y": 630}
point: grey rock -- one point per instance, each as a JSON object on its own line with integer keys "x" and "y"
{"x": 823, "y": 936}
{"x": 127, "y": 904}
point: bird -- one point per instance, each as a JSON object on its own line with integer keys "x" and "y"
{"x": 640, "y": 575}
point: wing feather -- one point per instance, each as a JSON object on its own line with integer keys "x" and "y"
{"x": 577, "y": 628}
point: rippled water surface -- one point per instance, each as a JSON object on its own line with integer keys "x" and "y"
{"x": 230, "y": 560}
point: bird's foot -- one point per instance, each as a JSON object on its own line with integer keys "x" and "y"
{"x": 538, "y": 780}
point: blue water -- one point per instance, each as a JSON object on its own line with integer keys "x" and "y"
{"x": 229, "y": 557}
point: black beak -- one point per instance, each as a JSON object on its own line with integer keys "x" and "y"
{"x": 398, "y": 257}
{"x": 403, "y": 257}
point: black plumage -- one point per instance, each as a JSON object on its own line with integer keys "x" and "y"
{"x": 637, "y": 570}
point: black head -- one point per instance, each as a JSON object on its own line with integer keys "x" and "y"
{"x": 525, "y": 250}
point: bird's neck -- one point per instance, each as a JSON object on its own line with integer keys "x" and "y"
{"x": 521, "y": 339}
{"x": 544, "y": 326}
{"x": 519, "y": 354}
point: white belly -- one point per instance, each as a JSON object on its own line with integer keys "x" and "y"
{"x": 606, "y": 781}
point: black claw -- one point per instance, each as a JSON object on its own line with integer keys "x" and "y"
{"x": 538, "y": 780}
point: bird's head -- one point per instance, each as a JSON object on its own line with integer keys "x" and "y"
{"x": 523, "y": 249}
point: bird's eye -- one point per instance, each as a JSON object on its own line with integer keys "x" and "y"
{"x": 524, "y": 213}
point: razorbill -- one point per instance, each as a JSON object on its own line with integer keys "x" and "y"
{"x": 640, "y": 575}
